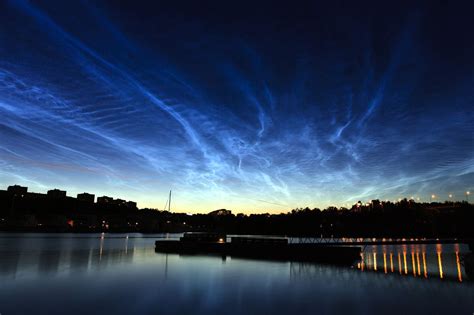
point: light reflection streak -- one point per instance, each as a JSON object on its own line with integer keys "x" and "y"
{"x": 399, "y": 262}
{"x": 391, "y": 262}
{"x": 126, "y": 244}
{"x": 440, "y": 262}
{"x": 101, "y": 246}
{"x": 405, "y": 261}
{"x": 375, "y": 261}
{"x": 369, "y": 262}
{"x": 458, "y": 266}
{"x": 413, "y": 263}
{"x": 425, "y": 269}
{"x": 418, "y": 263}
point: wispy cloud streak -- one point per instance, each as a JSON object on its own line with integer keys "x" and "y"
{"x": 223, "y": 125}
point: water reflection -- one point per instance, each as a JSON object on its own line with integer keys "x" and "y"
{"x": 53, "y": 256}
{"x": 38, "y": 257}
{"x": 425, "y": 268}
{"x": 123, "y": 275}
{"x": 421, "y": 261}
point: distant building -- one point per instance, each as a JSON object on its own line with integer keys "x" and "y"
{"x": 105, "y": 200}
{"x": 56, "y": 193}
{"x": 220, "y": 212}
{"x": 32, "y": 195}
{"x": 131, "y": 204}
{"x": 90, "y": 198}
{"x": 119, "y": 202}
{"x": 17, "y": 190}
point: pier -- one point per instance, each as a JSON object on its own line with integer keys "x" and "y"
{"x": 258, "y": 248}
{"x": 377, "y": 241}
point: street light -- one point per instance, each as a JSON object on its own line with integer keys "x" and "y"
{"x": 467, "y": 196}
{"x": 433, "y": 196}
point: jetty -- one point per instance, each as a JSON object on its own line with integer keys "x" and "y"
{"x": 265, "y": 248}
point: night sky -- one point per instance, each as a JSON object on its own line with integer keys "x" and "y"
{"x": 252, "y": 107}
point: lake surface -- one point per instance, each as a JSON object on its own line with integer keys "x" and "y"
{"x": 122, "y": 274}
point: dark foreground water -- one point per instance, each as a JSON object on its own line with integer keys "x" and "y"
{"x": 115, "y": 274}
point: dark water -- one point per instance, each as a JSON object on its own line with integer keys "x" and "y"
{"x": 87, "y": 274}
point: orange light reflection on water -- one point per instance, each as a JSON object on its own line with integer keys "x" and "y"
{"x": 439, "y": 249}
{"x": 369, "y": 262}
{"x": 391, "y": 262}
{"x": 418, "y": 263}
{"x": 419, "y": 260}
{"x": 458, "y": 265}
{"x": 425, "y": 269}
{"x": 375, "y": 261}
{"x": 400, "y": 262}
{"x": 413, "y": 263}
{"x": 405, "y": 261}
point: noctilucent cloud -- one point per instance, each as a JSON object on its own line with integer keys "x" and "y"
{"x": 249, "y": 107}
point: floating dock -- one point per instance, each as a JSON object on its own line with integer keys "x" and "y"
{"x": 258, "y": 248}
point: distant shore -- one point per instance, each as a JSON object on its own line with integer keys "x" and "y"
{"x": 55, "y": 212}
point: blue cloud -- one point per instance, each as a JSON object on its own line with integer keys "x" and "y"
{"x": 227, "y": 118}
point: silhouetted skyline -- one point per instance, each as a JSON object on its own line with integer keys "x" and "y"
{"x": 253, "y": 107}
{"x": 55, "y": 211}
